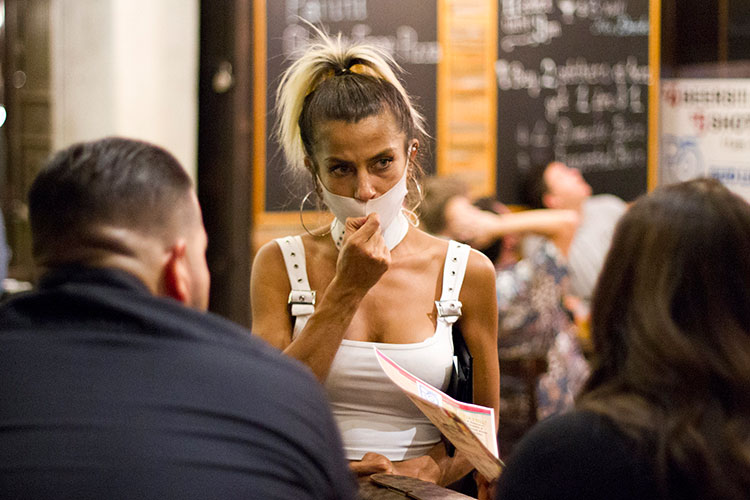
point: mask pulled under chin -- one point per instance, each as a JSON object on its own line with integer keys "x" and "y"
{"x": 387, "y": 206}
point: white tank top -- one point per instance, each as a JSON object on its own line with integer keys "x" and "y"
{"x": 372, "y": 413}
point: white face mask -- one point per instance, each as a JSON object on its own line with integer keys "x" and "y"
{"x": 387, "y": 206}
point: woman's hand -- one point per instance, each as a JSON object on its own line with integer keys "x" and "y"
{"x": 364, "y": 256}
{"x": 485, "y": 489}
{"x": 372, "y": 463}
{"x": 424, "y": 468}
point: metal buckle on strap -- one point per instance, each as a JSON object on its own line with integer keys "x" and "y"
{"x": 448, "y": 310}
{"x": 302, "y": 297}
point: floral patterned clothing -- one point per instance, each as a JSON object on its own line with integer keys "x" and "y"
{"x": 533, "y": 320}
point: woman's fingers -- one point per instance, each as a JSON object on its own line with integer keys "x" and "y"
{"x": 372, "y": 463}
{"x": 364, "y": 227}
{"x": 364, "y": 256}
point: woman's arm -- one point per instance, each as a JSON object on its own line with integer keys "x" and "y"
{"x": 479, "y": 327}
{"x": 269, "y": 292}
{"x": 465, "y": 222}
{"x": 362, "y": 261}
{"x": 557, "y": 225}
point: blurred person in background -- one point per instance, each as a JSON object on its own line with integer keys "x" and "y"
{"x": 558, "y": 186}
{"x": 529, "y": 249}
{"x": 665, "y": 413}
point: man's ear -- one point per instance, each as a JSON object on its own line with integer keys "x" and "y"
{"x": 176, "y": 277}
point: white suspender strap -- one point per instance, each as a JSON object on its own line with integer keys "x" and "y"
{"x": 301, "y": 298}
{"x": 449, "y": 307}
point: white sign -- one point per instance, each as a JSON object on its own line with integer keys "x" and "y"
{"x": 705, "y": 132}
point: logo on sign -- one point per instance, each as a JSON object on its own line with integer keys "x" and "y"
{"x": 671, "y": 96}
{"x": 681, "y": 158}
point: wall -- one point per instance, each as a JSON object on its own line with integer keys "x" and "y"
{"x": 126, "y": 67}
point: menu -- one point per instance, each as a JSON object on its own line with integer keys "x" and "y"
{"x": 471, "y": 428}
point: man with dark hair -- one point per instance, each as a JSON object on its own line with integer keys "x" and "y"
{"x": 556, "y": 185}
{"x": 111, "y": 387}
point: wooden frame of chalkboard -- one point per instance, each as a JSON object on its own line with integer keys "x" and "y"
{"x": 654, "y": 58}
{"x": 280, "y": 29}
{"x": 578, "y": 83}
{"x": 467, "y": 93}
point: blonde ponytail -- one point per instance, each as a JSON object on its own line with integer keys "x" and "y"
{"x": 321, "y": 60}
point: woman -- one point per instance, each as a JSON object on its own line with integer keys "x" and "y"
{"x": 666, "y": 412}
{"x": 347, "y": 121}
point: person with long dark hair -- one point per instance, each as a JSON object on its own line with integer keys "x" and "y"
{"x": 666, "y": 411}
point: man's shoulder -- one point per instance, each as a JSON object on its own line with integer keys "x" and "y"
{"x": 209, "y": 331}
{"x": 230, "y": 335}
{"x": 100, "y": 311}
{"x": 600, "y": 213}
{"x": 178, "y": 379}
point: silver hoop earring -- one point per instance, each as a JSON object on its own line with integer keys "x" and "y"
{"x": 419, "y": 191}
{"x": 414, "y": 218}
{"x": 411, "y": 216}
{"x": 301, "y": 218}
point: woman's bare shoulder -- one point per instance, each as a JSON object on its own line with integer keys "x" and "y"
{"x": 428, "y": 243}
{"x": 479, "y": 280}
{"x": 269, "y": 251}
{"x": 479, "y": 264}
{"x": 312, "y": 245}
{"x": 268, "y": 262}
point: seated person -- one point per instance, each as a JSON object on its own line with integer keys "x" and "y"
{"x": 530, "y": 290}
{"x": 115, "y": 383}
{"x": 558, "y": 186}
{"x": 664, "y": 414}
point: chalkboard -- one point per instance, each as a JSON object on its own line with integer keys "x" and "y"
{"x": 405, "y": 28}
{"x": 572, "y": 81}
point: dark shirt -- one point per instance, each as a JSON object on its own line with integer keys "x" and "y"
{"x": 577, "y": 455}
{"x": 4, "y": 253}
{"x": 109, "y": 392}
